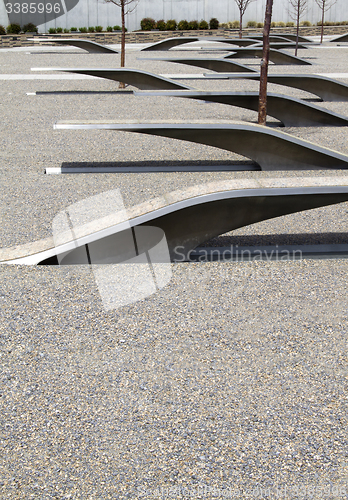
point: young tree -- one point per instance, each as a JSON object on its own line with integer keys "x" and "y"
{"x": 296, "y": 11}
{"x": 242, "y": 6}
{"x": 126, "y": 8}
{"x": 264, "y": 64}
{"x": 324, "y": 6}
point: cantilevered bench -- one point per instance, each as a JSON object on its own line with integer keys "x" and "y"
{"x": 290, "y": 111}
{"x": 342, "y": 38}
{"x": 280, "y": 45}
{"x": 137, "y": 78}
{"x": 270, "y": 149}
{"x": 286, "y": 44}
{"x": 274, "y": 44}
{"x": 241, "y": 42}
{"x": 276, "y": 56}
{"x": 169, "y": 43}
{"x": 327, "y": 89}
{"x": 287, "y": 36}
{"x": 88, "y": 45}
{"x": 218, "y": 65}
{"x": 188, "y": 218}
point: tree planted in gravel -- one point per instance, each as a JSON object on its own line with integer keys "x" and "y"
{"x": 296, "y": 11}
{"x": 127, "y": 6}
{"x": 324, "y": 6}
{"x": 242, "y": 6}
{"x": 264, "y": 65}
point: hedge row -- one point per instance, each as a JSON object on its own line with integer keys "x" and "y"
{"x": 90, "y": 29}
{"x": 280, "y": 24}
{"x": 148, "y": 24}
{"x": 14, "y": 29}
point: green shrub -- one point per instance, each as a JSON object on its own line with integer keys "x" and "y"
{"x": 147, "y": 24}
{"x": 30, "y": 27}
{"x": 203, "y": 25}
{"x": 224, "y": 25}
{"x": 161, "y": 25}
{"x": 259, "y": 25}
{"x": 213, "y": 23}
{"x": 83, "y": 29}
{"x": 117, "y": 28}
{"x": 328, "y": 23}
{"x": 273, "y": 24}
{"x": 109, "y": 28}
{"x": 52, "y": 31}
{"x": 290, "y": 24}
{"x": 2, "y": 30}
{"x": 13, "y": 29}
{"x": 99, "y": 29}
{"x": 233, "y": 25}
{"x": 171, "y": 25}
{"x": 183, "y": 25}
{"x": 306, "y": 23}
{"x": 66, "y": 30}
{"x": 59, "y": 30}
{"x": 73, "y": 29}
{"x": 193, "y": 25}
{"x": 280, "y": 24}
{"x": 252, "y": 24}
{"x": 91, "y": 29}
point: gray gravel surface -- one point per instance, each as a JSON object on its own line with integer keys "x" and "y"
{"x": 233, "y": 376}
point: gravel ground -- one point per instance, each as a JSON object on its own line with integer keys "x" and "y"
{"x": 233, "y": 376}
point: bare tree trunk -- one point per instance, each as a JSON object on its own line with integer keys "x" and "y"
{"x": 322, "y": 24}
{"x": 297, "y": 26}
{"x": 264, "y": 65}
{"x": 240, "y": 24}
{"x": 123, "y": 38}
{"x": 123, "y": 43}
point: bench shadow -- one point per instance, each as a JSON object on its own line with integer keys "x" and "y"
{"x": 312, "y": 99}
{"x": 43, "y": 52}
{"x": 158, "y": 166}
{"x": 333, "y": 238}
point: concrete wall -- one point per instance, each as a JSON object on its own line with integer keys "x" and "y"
{"x": 97, "y": 12}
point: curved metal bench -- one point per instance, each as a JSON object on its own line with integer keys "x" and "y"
{"x": 270, "y": 149}
{"x": 281, "y": 45}
{"x": 290, "y": 111}
{"x": 88, "y": 45}
{"x": 187, "y": 217}
{"x": 218, "y": 65}
{"x": 169, "y": 43}
{"x": 341, "y": 38}
{"x": 286, "y": 44}
{"x": 286, "y": 36}
{"x": 137, "y": 78}
{"x": 327, "y": 89}
{"x": 241, "y": 42}
{"x": 276, "y": 56}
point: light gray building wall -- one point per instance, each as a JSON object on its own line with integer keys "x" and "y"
{"x": 97, "y": 12}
